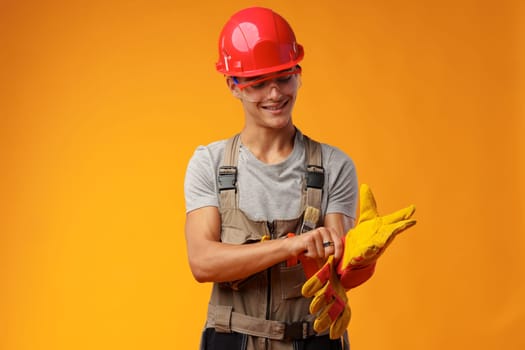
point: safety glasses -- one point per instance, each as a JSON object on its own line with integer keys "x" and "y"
{"x": 280, "y": 78}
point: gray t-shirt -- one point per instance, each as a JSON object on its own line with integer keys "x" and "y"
{"x": 272, "y": 191}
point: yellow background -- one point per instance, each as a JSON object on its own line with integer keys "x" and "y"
{"x": 103, "y": 102}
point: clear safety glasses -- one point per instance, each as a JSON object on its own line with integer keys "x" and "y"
{"x": 257, "y": 89}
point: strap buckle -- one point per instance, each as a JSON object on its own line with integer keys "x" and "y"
{"x": 314, "y": 176}
{"x": 297, "y": 331}
{"x": 227, "y": 178}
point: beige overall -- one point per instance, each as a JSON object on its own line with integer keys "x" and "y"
{"x": 267, "y": 308}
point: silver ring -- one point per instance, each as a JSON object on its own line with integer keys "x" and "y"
{"x": 328, "y": 244}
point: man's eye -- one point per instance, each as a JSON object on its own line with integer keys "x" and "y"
{"x": 259, "y": 85}
{"x": 284, "y": 79}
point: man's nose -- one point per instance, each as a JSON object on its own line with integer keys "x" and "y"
{"x": 274, "y": 92}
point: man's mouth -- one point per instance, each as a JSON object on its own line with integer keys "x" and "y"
{"x": 276, "y": 106}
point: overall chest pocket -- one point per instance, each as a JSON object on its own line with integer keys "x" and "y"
{"x": 236, "y": 228}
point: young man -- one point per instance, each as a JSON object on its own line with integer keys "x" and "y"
{"x": 258, "y": 201}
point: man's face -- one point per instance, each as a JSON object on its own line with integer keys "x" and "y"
{"x": 268, "y": 99}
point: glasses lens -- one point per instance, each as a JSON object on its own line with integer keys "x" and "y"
{"x": 256, "y": 90}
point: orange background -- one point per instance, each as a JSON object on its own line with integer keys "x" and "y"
{"x": 103, "y": 102}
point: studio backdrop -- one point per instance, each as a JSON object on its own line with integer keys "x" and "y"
{"x": 102, "y": 104}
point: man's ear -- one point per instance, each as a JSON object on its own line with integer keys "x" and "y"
{"x": 236, "y": 92}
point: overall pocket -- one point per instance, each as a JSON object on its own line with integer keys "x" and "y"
{"x": 292, "y": 279}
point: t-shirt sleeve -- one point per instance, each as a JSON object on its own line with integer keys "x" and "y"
{"x": 199, "y": 183}
{"x": 342, "y": 184}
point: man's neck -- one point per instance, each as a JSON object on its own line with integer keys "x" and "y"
{"x": 269, "y": 145}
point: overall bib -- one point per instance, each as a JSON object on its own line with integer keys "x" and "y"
{"x": 265, "y": 311}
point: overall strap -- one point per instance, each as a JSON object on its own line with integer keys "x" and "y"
{"x": 314, "y": 174}
{"x": 227, "y": 177}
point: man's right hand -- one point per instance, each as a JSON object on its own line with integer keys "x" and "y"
{"x": 319, "y": 243}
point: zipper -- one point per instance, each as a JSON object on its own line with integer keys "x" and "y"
{"x": 271, "y": 229}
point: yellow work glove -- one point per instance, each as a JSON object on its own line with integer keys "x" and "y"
{"x": 365, "y": 243}
{"x": 329, "y": 302}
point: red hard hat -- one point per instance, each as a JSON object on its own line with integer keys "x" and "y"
{"x": 257, "y": 41}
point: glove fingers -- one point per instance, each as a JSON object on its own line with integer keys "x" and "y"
{"x": 341, "y": 324}
{"x": 322, "y": 323}
{"x": 385, "y": 236}
{"x": 367, "y": 203}
{"x": 311, "y": 287}
{"x": 388, "y": 232}
{"x": 331, "y": 304}
{"x": 317, "y": 281}
{"x": 329, "y": 315}
{"x": 403, "y": 225}
{"x": 320, "y": 300}
{"x": 381, "y": 241}
{"x": 401, "y": 214}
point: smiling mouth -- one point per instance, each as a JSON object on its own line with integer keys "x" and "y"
{"x": 276, "y": 107}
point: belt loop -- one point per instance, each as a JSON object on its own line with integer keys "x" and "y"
{"x": 223, "y": 316}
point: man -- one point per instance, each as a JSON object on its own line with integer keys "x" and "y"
{"x": 262, "y": 202}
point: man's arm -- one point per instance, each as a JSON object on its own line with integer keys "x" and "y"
{"x": 213, "y": 261}
{"x": 339, "y": 222}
